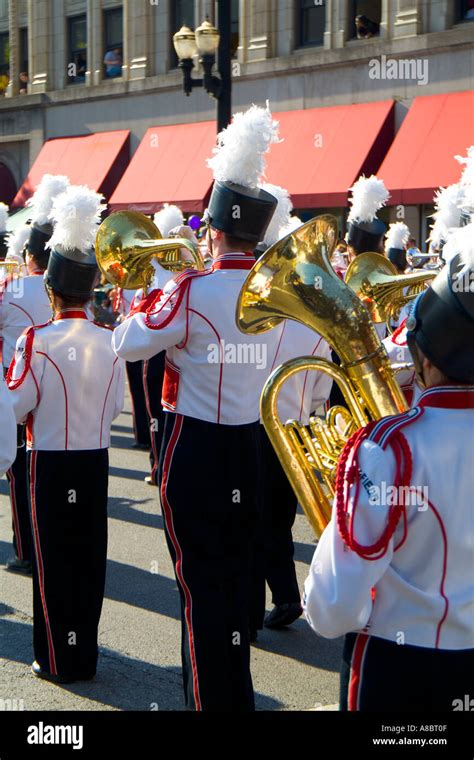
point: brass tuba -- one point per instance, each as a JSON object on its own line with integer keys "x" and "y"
{"x": 377, "y": 283}
{"x": 125, "y": 244}
{"x": 294, "y": 280}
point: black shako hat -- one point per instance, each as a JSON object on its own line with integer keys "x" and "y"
{"x": 72, "y": 272}
{"x": 366, "y": 236}
{"x": 3, "y": 245}
{"x": 36, "y": 245}
{"x": 442, "y": 320}
{"x": 398, "y": 258}
{"x": 242, "y": 212}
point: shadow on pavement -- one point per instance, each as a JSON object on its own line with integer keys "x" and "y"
{"x": 300, "y": 643}
{"x": 142, "y": 588}
{"x": 128, "y": 511}
{"x": 122, "y": 682}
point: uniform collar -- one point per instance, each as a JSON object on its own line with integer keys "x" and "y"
{"x": 71, "y": 314}
{"x": 234, "y": 261}
{"x": 448, "y": 397}
{"x": 36, "y": 272}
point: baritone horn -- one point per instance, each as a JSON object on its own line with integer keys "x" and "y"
{"x": 295, "y": 280}
{"x": 377, "y": 283}
{"x": 127, "y": 241}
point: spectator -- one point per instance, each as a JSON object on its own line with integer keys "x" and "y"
{"x": 113, "y": 63}
{"x": 366, "y": 28}
{"x": 4, "y": 80}
{"x": 23, "y": 83}
{"x": 469, "y": 14}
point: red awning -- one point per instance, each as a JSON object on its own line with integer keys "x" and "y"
{"x": 96, "y": 160}
{"x": 323, "y": 151}
{"x": 169, "y": 166}
{"x": 421, "y": 159}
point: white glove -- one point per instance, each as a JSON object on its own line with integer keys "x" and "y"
{"x": 161, "y": 276}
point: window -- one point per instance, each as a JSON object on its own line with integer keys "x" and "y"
{"x": 465, "y": 10}
{"x": 113, "y": 43}
{"x": 181, "y": 14}
{"x": 77, "y": 52}
{"x": 365, "y": 21}
{"x": 311, "y": 22}
{"x": 4, "y": 62}
{"x": 234, "y": 30}
{"x": 23, "y": 52}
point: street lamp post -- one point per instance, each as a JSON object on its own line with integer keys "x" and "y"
{"x": 207, "y": 41}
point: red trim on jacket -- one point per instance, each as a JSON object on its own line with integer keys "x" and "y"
{"x": 448, "y": 397}
{"x": 70, "y": 314}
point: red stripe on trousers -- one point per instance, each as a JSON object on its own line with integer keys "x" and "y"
{"x": 179, "y": 556}
{"x": 357, "y": 662}
{"x": 39, "y": 560}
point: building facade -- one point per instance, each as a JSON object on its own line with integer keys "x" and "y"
{"x": 72, "y": 67}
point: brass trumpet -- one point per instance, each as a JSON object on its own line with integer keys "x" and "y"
{"x": 295, "y": 280}
{"x": 5, "y": 265}
{"x": 376, "y": 281}
{"x": 127, "y": 241}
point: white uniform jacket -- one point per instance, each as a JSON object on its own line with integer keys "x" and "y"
{"x": 398, "y": 353}
{"x": 213, "y": 371}
{"x": 7, "y": 429}
{"x": 424, "y": 584}
{"x": 68, "y": 384}
{"x": 23, "y": 302}
{"x": 305, "y": 391}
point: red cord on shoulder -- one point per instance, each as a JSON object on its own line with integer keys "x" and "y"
{"x": 349, "y": 476}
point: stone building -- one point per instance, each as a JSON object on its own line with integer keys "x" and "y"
{"x": 100, "y": 65}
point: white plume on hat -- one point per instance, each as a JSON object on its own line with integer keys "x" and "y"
{"x": 16, "y": 242}
{"x": 41, "y": 202}
{"x": 293, "y": 223}
{"x": 76, "y": 216}
{"x": 466, "y": 183}
{"x": 397, "y": 235}
{"x": 460, "y": 240}
{"x": 281, "y": 215}
{"x": 239, "y": 156}
{"x": 447, "y": 214}
{"x": 3, "y": 217}
{"x": 369, "y": 194}
{"x": 167, "y": 218}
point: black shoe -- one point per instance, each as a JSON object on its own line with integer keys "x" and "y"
{"x": 283, "y": 614}
{"x": 149, "y": 481}
{"x": 38, "y": 671}
{"x": 140, "y": 446}
{"x": 16, "y": 565}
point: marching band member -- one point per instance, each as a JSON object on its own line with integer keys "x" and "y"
{"x": 365, "y": 230}
{"x": 7, "y": 429}
{"x": 167, "y": 219}
{"x": 397, "y": 238}
{"x": 69, "y": 399}
{"x": 3, "y": 230}
{"x": 299, "y": 398}
{"x": 393, "y": 570}
{"x": 25, "y": 303}
{"x": 209, "y": 464}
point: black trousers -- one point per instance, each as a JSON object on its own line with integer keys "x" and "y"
{"x": 153, "y": 374}
{"x": 141, "y": 430}
{"x": 17, "y": 477}
{"x": 279, "y": 512}
{"x": 68, "y": 495}
{"x": 209, "y": 476}
{"x": 379, "y": 675}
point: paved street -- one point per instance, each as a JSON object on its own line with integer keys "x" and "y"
{"x": 139, "y": 667}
